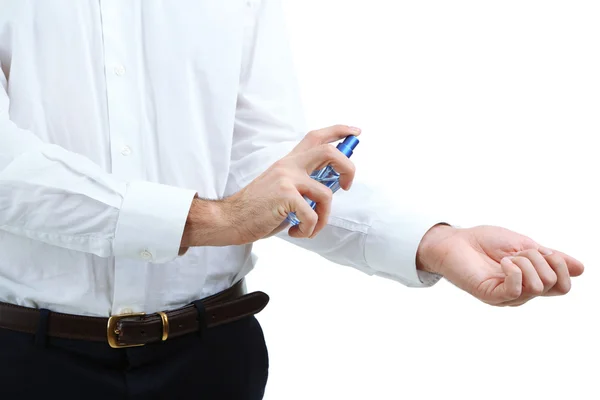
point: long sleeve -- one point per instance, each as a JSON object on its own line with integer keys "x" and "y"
{"x": 366, "y": 230}
{"x": 51, "y": 195}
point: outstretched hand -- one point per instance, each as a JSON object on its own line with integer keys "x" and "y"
{"x": 498, "y": 266}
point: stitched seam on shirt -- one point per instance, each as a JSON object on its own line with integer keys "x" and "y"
{"x": 53, "y": 235}
{"x": 349, "y": 225}
{"x": 363, "y": 229}
{"x": 69, "y": 191}
{"x": 364, "y": 238}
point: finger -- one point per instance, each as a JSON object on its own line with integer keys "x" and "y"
{"x": 325, "y": 135}
{"x": 532, "y": 284}
{"x": 307, "y": 216}
{"x": 284, "y": 224}
{"x": 321, "y": 195}
{"x": 574, "y": 266}
{"x": 512, "y": 287}
{"x": 560, "y": 268}
{"x": 543, "y": 269}
{"x": 557, "y": 262}
{"x": 329, "y": 155}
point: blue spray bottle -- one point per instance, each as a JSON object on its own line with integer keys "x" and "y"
{"x": 328, "y": 176}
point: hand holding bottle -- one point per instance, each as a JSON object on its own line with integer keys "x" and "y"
{"x": 261, "y": 208}
{"x": 328, "y": 176}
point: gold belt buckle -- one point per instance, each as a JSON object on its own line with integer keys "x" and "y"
{"x": 112, "y": 332}
{"x": 165, "y": 325}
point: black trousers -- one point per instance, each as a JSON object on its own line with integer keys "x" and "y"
{"x": 225, "y": 362}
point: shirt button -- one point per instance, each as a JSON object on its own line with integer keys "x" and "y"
{"x": 146, "y": 255}
{"x": 126, "y": 310}
{"x": 126, "y": 150}
{"x": 119, "y": 70}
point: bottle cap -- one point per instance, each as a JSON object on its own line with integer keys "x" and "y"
{"x": 348, "y": 145}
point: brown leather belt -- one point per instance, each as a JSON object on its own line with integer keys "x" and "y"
{"x": 128, "y": 330}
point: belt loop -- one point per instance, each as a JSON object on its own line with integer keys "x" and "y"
{"x": 41, "y": 334}
{"x": 201, "y": 317}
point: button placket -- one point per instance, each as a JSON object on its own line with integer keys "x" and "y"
{"x": 123, "y": 127}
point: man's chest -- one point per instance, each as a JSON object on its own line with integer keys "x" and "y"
{"x": 203, "y": 34}
{"x": 128, "y": 84}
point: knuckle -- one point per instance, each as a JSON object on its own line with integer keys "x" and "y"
{"x": 550, "y": 280}
{"x": 285, "y": 186}
{"x": 536, "y": 289}
{"x": 327, "y": 195}
{"x": 564, "y": 288}
{"x": 310, "y": 219}
{"x": 279, "y": 169}
{"x": 327, "y": 151}
{"x": 280, "y": 211}
{"x": 314, "y": 137}
{"x": 300, "y": 232}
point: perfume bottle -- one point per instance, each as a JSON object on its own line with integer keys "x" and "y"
{"x": 327, "y": 175}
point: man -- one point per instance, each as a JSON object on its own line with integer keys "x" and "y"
{"x": 144, "y": 146}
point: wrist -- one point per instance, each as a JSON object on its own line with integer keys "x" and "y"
{"x": 207, "y": 225}
{"x": 433, "y": 248}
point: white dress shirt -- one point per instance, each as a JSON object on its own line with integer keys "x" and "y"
{"x": 114, "y": 114}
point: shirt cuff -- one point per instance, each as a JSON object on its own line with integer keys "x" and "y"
{"x": 391, "y": 249}
{"x": 151, "y": 222}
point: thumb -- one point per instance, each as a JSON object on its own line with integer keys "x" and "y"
{"x": 512, "y": 286}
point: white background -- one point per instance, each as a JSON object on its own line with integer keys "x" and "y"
{"x": 486, "y": 112}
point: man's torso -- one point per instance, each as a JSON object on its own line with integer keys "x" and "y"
{"x": 147, "y": 90}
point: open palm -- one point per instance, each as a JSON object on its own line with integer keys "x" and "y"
{"x": 502, "y": 267}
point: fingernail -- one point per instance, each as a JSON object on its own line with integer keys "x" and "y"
{"x": 354, "y": 129}
{"x": 545, "y": 251}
